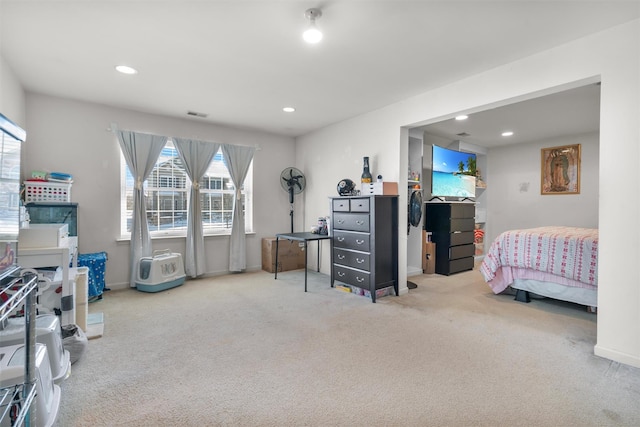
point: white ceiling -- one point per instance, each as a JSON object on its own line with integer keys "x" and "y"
{"x": 241, "y": 61}
{"x": 569, "y": 112}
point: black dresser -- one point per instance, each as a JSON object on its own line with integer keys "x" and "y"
{"x": 364, "y": 242}
{"x": 451, "y": 226}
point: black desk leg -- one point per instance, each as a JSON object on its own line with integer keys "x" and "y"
{"x": 276, "y": 276}
{"x": 305, "y": 265}
{"x": 318, "y": 256}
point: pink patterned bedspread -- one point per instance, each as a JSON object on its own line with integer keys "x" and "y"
{"x": 569, "y": 253}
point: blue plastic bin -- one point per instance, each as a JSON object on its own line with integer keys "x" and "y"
{"x": 97, "y": 264}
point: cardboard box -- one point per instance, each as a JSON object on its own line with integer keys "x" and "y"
{"x": 428, "y": 254}
{"x": 380, "y": 188}
{"x": 290, "y": 255}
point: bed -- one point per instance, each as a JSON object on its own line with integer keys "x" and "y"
{"x": 556, "y": 262}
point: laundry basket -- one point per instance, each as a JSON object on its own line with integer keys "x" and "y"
{"x": 97, "y": 264}
{"x": 44, "y": 191}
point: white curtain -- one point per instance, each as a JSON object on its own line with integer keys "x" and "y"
{"x": 141, "y": 151}
{"x": 196, "y": 156}
{"x": 238, "y": 160}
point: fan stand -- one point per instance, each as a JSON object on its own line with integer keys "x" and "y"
{"x": 291, "y": 206}
{"x": 291, "y": 183}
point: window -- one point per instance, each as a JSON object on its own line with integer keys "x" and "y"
{"x": 167, "y": 190}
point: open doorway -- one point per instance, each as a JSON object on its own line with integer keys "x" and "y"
{"x": 510, "y": 165}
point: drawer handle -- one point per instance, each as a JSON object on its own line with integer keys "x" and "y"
{"x": 340, "y": 239}
{"x": 341, "y": 221}
{"x": 360, "y": 222}
{"x": 358, "y": 241}
{"x": 359, "y": 260}
{"x": 341, "y": 257}
{"x": 360, "y": 279}
{"x": 341, "y": 274}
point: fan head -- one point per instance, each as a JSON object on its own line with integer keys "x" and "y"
{"x": 292, "y": 181}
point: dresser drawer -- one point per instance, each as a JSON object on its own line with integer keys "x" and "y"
{"x": 461, "y": 238}
{"x": 351, "y": 221}
{"x": 360, "y": 205}
{"x": 463, "y": 210}
{"x": 351, "y": 259}
{"x": 445, "y": 239}
{"x": 463, "y": 224}
{"x": 340, "y": 205}
{"x": 463, "y": 251}
{"x": 351, "y": 276}
{"x": 462, "y": 264}
{"x": 351, "y": 240}
{"x": 449, "y": 217}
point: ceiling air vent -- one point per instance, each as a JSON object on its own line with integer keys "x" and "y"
{"x": 463, "y": 134}
{"x": 196, "y": 114}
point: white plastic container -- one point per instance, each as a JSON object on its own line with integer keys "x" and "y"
{"x": 162, "y": 271}
{"x": 44, "y": 236}
{"x": 38, "y": 191}
{"x": 47, "y": 400}
{"x": 82, "y": 297}
{"x": 49, "y": 334}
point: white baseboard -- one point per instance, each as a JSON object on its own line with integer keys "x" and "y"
{"x": 413, "y": 271}
{"x": 617, "y": 356}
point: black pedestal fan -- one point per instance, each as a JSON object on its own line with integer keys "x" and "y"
{"x": 293, "y": 182}
{"x": 415, "y": 214}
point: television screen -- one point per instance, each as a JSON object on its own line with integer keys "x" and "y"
{"x": 452, "y": 174}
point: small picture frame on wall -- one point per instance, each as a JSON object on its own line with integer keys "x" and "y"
{"x": 560, "y": 172}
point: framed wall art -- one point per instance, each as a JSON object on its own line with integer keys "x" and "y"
{"x": 560, "y": 172}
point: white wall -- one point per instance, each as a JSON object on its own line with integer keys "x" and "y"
{"x": 611, "y": 56}
{"x": 12, "y": 97}
{"x": 414, "y": 238}
{"x": 71, "y": 136}
{"x": 513, "y": 188}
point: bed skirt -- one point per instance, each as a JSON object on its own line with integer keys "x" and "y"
{"x": 584, "y": 296}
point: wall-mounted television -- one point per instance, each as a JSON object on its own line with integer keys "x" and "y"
{"x": 452, "y": 174}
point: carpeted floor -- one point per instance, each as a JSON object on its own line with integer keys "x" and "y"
{"x": 248, "y": 350}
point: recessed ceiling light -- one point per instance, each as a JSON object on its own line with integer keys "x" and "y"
{"x": 507, "y": 133}
{"x": 124, "y": 69}
{"x": 462, "y": 117}
{"x": 288, "y": 109}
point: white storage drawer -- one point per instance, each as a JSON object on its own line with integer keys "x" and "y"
{"x": 44, "y": 236}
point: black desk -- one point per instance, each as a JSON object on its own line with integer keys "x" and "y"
{"x": 301, "y": 237}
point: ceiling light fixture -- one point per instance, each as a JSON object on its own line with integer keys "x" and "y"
{"x": 288, "y": 109}
{"x": 462, "y": 117}
{"x": 312, "y": 34}
{"x": 507, "y": 133}
{"x": 124, "y": 69}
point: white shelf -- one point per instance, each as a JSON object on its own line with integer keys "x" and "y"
{"x": 16, "y": 295}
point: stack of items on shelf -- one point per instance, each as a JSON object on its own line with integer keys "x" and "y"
{"x": 365, "y": 292}
{"x": 51, "y": 363}
{"x": 48, "y": 187}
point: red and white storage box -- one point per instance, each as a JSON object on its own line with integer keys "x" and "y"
{"x": 47, "y": 191}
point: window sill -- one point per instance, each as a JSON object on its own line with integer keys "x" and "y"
{"x": 180, "y": 236}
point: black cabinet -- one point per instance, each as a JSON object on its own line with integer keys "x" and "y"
{"x": 364, "y": 242}
{"x": 451, "y": 226}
